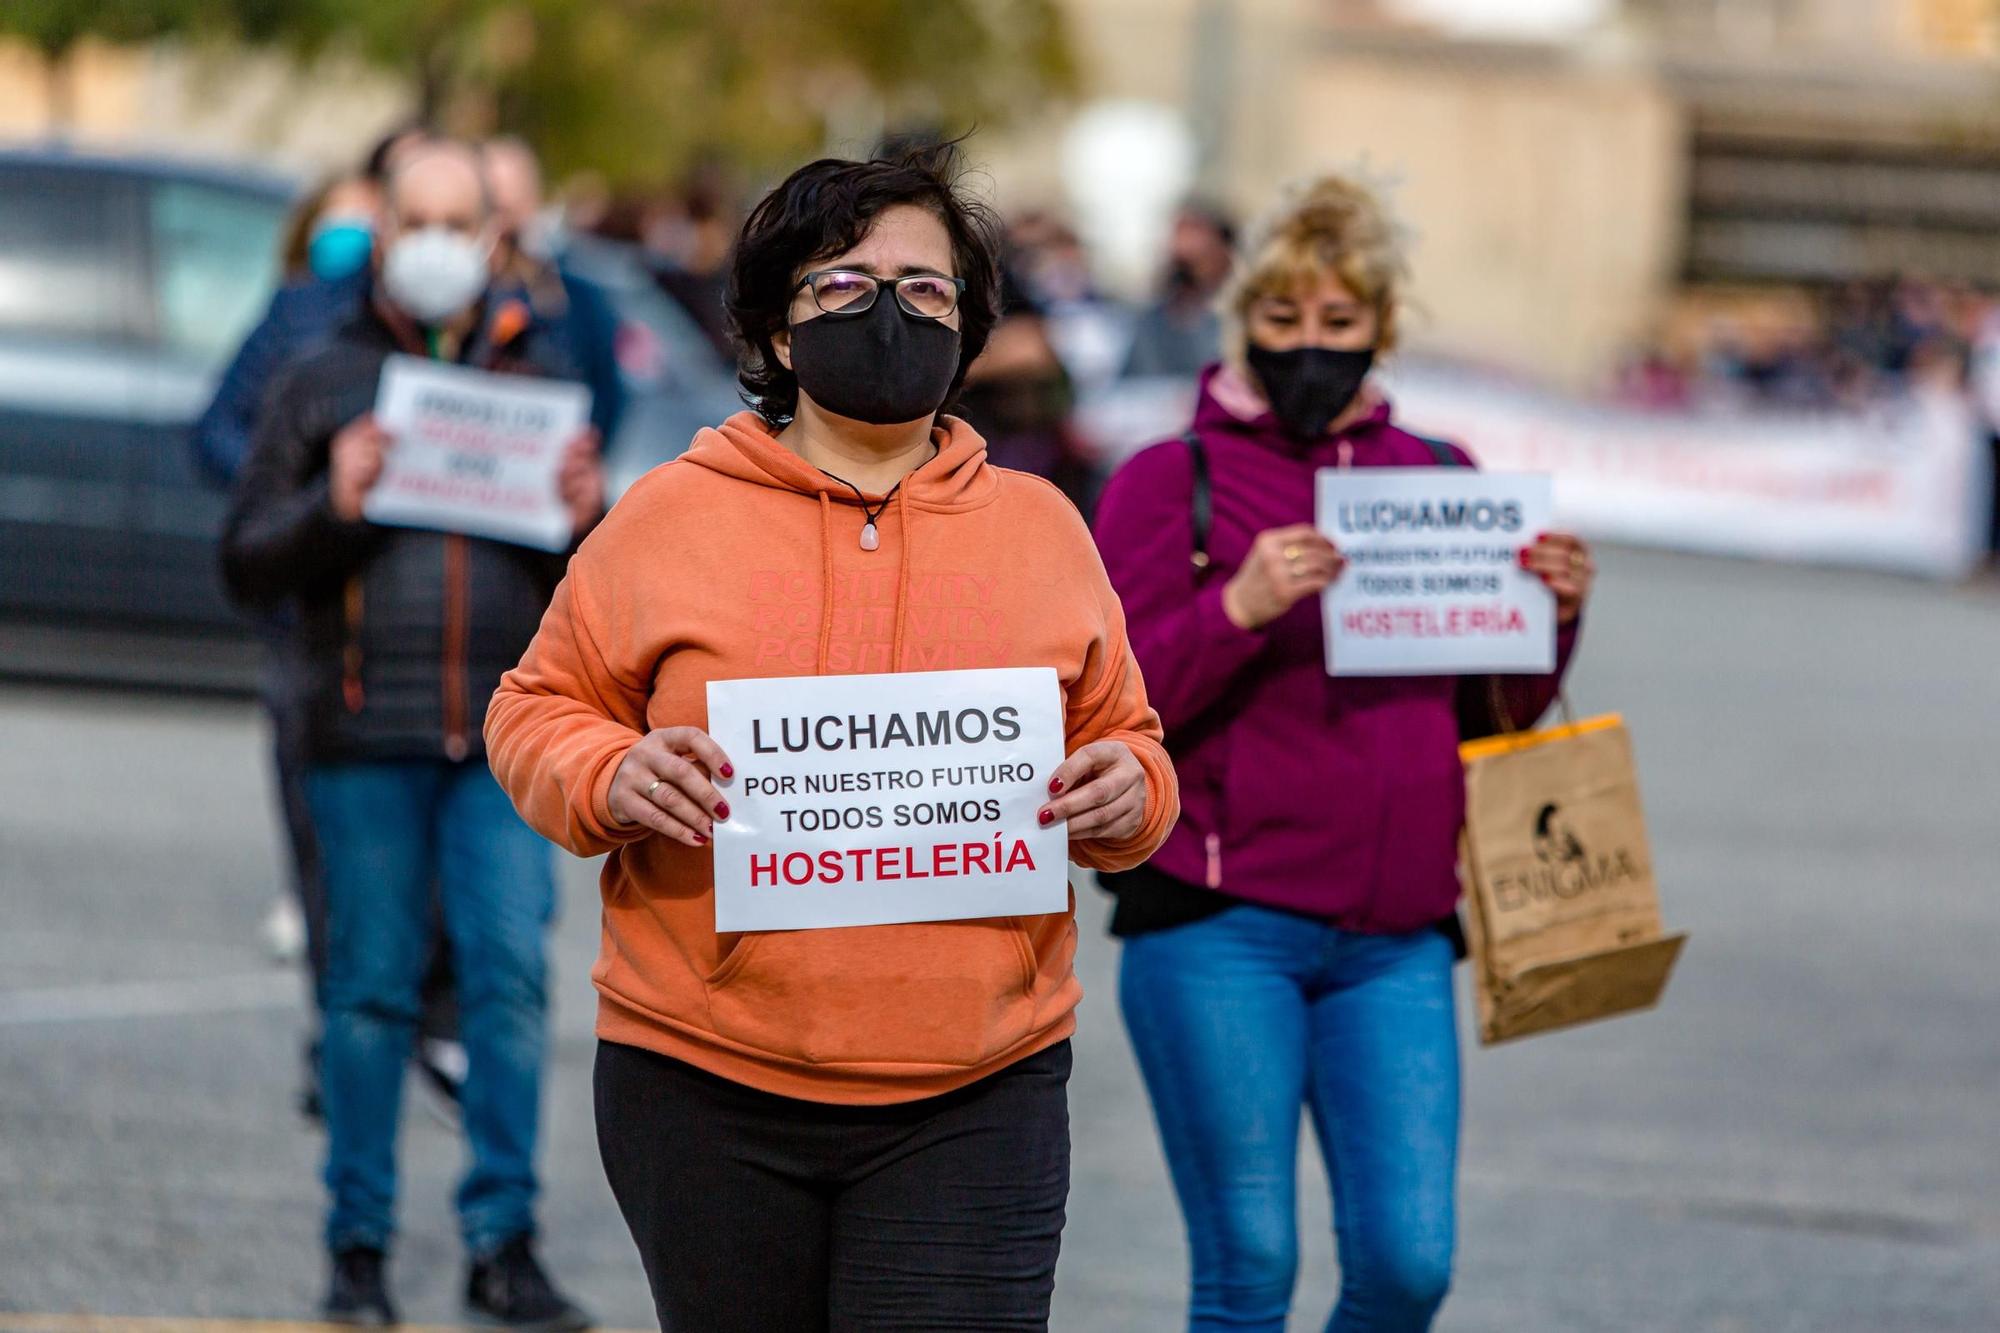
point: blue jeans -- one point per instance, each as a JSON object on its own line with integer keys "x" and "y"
{"x": 1243, "y": 1020}
{"x": 389, "y": 832}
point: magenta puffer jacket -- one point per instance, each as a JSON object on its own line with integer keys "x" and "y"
{"x": 1337, "y": 796}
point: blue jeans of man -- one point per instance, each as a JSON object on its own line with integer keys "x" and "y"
{"x": 389, "y": 832}
{"x": 1243, "y": 1021}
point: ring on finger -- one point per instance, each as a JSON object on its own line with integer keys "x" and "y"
{"x": 1293, "y": 552}
{"x": 1576, "y": 562}
{"x": 654, "y": 785}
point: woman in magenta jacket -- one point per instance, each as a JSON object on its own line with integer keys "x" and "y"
{"x": 1289, "y": 949}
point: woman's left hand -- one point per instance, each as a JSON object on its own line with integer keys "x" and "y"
{"x": 1100, "y": 790}
{"x": 1564, "y": 563}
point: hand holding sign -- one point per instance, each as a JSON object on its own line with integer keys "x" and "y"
{"x": 663, "y": 783}
{"x": 580, "y": 479}
{"x": 1285, "y": 566}
{"x": 1100, "y": 790}
{"x": 354, "y": 465}
{"x": 1564, "y": 563}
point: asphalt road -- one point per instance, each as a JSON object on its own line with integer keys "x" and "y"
{"x": 1805, "y": 1137}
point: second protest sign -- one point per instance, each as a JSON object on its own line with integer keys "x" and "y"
{"x": 1433, "y": 583}
{"x": 878, "y": 799}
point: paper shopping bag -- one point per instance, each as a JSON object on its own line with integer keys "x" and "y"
{"x": 1562, "y": 913}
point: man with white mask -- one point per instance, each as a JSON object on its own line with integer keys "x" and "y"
{"x": 406, "y": 633}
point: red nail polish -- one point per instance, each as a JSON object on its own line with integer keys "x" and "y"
{"x": 728, "y": 771}
{"x": 722, "y": 810}
{"x": 1046, "y": 818}
{"x": 700, "y": 841}
{"x": 1055, "y": 786}
{"x": 1541, "y": 537}
{"x": 1524, "y": 556}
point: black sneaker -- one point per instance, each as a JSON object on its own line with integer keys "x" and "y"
{"x": 357, "y": 1294}
{"x": 508, "y": 1289}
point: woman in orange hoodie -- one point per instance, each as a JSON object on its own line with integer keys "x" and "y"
{"x": 862, "y": 1127}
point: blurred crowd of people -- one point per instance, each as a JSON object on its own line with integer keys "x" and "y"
{"x": 1061, "y": 338}
{"x": 1841, "y": 349}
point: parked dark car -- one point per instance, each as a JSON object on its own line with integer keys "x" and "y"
{"x": 125, "y": 286}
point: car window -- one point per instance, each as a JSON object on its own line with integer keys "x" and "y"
{"x": 214, "y": 263}
{"x": 63, "y": 271}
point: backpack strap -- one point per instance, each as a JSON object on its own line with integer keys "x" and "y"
{"x": 1202, "y": 499}
{"x": 1202, "y": 502}
{"x": 1441, "y": 452}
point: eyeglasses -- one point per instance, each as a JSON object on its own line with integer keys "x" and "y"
{"x": 845, "y": 291}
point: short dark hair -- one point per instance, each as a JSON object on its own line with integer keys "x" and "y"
{"x": 826, "y": 208}
{"x": 376, "y": 165}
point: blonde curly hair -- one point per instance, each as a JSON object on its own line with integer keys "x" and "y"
{"x": 1335, "y": 225}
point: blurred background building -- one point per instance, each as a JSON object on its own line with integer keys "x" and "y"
{"x": 1726, "y": 267}
{"x": 1591, "y": 180}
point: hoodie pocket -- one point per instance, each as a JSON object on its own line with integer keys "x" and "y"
{"x": 948, "y": 994}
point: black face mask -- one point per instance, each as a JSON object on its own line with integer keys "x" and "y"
{"x": 881, "y": 366}
{"x": 1309, "y": 386}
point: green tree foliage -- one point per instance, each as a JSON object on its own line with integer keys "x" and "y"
{"x": 639, "y": 89}
{"x": 54, "y": 27}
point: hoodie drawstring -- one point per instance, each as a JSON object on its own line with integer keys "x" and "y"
{"x": 825, "y": 580}
{"x": 902, "y": 580}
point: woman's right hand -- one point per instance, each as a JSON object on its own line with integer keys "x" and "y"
{"x": 1285, "y": 565}
{"x": 354, "y": 465}
{"x": 663, "y": 783}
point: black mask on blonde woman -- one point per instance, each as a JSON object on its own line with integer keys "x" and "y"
{"x": 881, "y": 366}
{"x": 1308, "y": 387}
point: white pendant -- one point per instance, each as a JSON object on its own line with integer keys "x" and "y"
{"x": 869, "y": 541}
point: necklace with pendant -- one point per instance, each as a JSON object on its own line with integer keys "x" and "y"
{"x": 870, "y": 538}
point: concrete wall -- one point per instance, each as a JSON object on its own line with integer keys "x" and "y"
{"x": 1547, "y": 190}
{"x": 1546, "y": 195}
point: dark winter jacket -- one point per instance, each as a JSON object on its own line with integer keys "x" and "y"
{"x": 301, "y": 317}
{"x": 405, "y": 633}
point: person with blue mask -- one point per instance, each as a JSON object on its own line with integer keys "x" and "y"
{"x": 326, "y": 261}
{"x": 340, "y": 245}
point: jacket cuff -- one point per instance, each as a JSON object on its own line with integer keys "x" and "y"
{"x": 597, "y": 816}
{"x": 1217, "y": 630}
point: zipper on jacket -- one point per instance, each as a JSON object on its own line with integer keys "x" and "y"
{"x": 456, "y": 559}
{"x": 352, "y": 697}
{"x": 1213, "y": 844}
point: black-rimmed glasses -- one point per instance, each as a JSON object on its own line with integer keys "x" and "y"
{"x": 846, "y": 291}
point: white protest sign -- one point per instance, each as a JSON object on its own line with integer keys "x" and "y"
{"x": 1433, "y": 584}
{"x": 475, "y": 452}
{"x": 869, "y": 800}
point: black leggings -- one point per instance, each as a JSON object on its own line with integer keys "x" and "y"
{"x": 758, "y": 1213}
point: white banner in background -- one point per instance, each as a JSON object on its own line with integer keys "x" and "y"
{"x": 1902, "y": 486}
{"x": 1433, "y": 584}
{"x": 475, "y": 452}
{"x": 869, "y": 800}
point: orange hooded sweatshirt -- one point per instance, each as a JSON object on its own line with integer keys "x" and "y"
{"x": 741, "y": 560}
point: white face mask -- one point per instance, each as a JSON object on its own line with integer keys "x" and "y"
{"x": 435, "y": 273}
